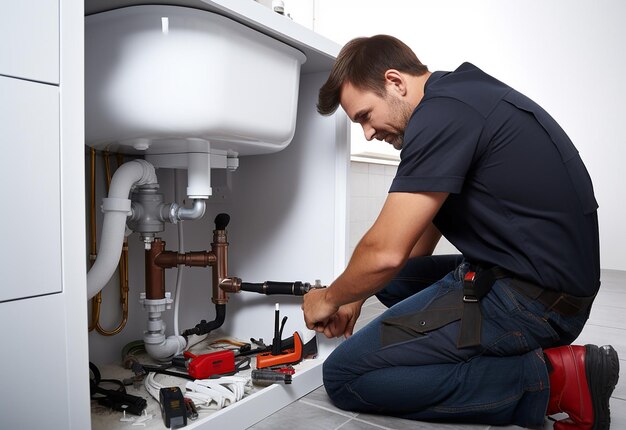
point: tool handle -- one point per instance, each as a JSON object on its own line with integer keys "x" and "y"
{"x": 264, "y": 377}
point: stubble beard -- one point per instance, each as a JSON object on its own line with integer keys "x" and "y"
{"x": 402, "y": 112}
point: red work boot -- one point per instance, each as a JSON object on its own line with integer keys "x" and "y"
{"x": 582, "y": 379}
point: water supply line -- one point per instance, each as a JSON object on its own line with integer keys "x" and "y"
{"x": 123, "y": 263}
{"x": 116, "y": 208}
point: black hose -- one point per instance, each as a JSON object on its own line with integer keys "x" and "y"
{"x": 206, "y": 327}
{"x": 274, "y": 287}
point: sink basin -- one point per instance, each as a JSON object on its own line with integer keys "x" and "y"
{"x": 160, "y": 78}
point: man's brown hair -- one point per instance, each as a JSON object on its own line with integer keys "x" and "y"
{"x": 363, "y": 62}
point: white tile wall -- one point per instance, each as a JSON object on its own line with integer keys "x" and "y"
{"x": 369, "y": 185}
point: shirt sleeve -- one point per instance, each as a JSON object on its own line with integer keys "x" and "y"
{"x": 440, "y": 143}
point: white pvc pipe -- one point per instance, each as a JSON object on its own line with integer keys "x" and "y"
{"x": 116, "y": 208}
{"x": 167, "y": 349}
{"x": 157, "y": 345}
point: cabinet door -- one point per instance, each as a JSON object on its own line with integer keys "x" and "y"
{"x": 30, "y": 227}
{"x": 29, "y": 40}
{"x": 34, "y": 374}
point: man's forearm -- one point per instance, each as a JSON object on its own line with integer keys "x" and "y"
{"x": 369, "y": 271}
{"x": 384, "y": 249}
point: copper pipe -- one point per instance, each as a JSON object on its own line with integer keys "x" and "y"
{"x": 169, "y": 259}
{"x": 155, "y": 274}
{"x": 96, "y": 301}
{"x": 157, "y": 259}
{"x": 219, "y": 248}
{"x": 107, "y": 171}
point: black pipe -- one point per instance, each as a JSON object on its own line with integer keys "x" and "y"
{"x": 206, "y": 327}
{"x": 296, "y": 288}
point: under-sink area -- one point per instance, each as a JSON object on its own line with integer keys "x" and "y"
{"x": 217, "y": 115}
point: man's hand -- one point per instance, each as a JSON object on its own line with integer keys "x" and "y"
{"x": 318, "y": 309}
{"x": 343, "y": 321}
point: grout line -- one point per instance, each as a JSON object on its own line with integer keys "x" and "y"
{"x": 338, "y": 412}
{"x": 366, "y": 422}
{"x": 590, "y": 323}
{"x": 343, "y": 424}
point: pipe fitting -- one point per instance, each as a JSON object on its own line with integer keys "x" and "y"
{"x": 157, "y": 345}
{"x": 193, "y": 213}
{"x": 231, "y": 285}
{"x": 146, "y": 218}
{"x": 174, "y": 212}
{"x": 163, "y": 349}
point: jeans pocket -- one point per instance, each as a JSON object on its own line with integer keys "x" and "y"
{"x": 406, "y": 327}
{"x": 515, "y": 323}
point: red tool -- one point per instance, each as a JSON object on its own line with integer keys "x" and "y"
{"x": 214, "y": 363}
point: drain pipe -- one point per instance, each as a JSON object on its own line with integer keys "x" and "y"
{"x": 116, "y": 208}
{"x": 173, "y": 212}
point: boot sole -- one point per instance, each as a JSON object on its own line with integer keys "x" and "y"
{"x": 602, "y": 369}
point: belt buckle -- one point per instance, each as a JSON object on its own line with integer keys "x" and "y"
{"x": 469, "y": 299}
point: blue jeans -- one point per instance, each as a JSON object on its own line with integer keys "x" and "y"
{"x": 502, "y": 381}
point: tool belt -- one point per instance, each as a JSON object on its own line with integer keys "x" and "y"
{"x": 477, "y": 284}
{"x": 465, "y": 306}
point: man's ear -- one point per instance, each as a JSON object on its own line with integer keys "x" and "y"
{"x": 395, "y": 81}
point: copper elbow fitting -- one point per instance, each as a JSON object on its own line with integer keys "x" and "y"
{"x": 231, "y": 285}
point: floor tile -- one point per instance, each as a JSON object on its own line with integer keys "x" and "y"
{"x": 359, "y": 425}
{"x": 618, "y": 414}
{"x": 608, "y": 316}
{"x": 369, "y": 312}
{"x": 402, "y": 424}
{"x": 320, "y": 399}
{"x": 611, "y": 298}
{"x": 300, "y": 415}
{"x": 512, "y": 428}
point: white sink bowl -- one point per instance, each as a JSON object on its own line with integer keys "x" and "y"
{"x": 160, "y": 78}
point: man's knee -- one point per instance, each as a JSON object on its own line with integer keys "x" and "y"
{"x": 337, "y": 374}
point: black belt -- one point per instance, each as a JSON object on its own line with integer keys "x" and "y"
{"x": 477, "y": 284}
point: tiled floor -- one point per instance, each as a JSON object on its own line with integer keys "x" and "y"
{"x": 607, "y": 325}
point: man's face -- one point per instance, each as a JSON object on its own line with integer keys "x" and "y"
{"x": 382, "y": 118}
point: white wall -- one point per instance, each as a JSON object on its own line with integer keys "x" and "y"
{"x": 567, "y": 55}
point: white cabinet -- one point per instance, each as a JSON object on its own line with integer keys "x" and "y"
{"x": 29, "y": 40}
{"x": 35, "y": 365}
{"x": 30, "y": 189}
{"x": 42, "y": 257}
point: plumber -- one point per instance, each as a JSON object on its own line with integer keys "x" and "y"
{"x": 483, "y": 337}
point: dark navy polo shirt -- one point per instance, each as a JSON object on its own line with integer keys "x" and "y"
{"x": 520, "y": 196}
